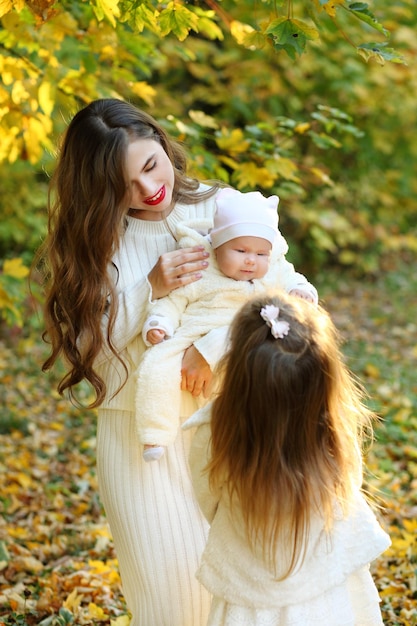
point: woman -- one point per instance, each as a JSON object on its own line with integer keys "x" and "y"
{"x": 118, "y": 192}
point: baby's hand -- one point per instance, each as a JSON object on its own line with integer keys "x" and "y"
{"x": 302, "y": 294}
{"x": 156, "y": 335}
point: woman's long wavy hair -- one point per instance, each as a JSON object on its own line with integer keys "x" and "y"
{"x": 88, "y": 202}
{"x": 287, "y": 425}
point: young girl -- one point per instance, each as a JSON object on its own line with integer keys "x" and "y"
{"x": 276, "y": 467}
{"x": 247, "y": 257}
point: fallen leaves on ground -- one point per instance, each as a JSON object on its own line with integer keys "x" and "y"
{"x": 377, "y": 320}
{"x": 57, "y": 560}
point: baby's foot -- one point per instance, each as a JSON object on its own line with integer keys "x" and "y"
{"x": 152, "y": 452}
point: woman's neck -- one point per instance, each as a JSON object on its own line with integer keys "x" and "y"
{"x": 148, "y": 216}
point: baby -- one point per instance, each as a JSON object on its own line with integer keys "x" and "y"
{"x": 247, "y": 257}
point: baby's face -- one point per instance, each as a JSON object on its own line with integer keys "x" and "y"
{"x": 244, "y": 258}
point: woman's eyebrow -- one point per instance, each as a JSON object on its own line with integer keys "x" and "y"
{"x": 148, "y": 160}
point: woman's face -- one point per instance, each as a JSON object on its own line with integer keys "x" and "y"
{"x": 151, "y": 179}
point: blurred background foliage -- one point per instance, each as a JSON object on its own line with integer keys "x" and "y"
{"x": 312, "y": 100}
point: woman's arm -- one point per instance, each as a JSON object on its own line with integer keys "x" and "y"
{"x": 172, "y": 270}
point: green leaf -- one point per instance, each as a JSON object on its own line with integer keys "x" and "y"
{"x": 291, "y": 35}
{"x": 207, "y": 24}
{"x": 4, "y": 555}
{"x": 140, "y": 17}
{"x": 66, "y": 616}
{"x": 380, "y": 53}
{"x": 283, "y": 28}
{"x": 108, "y": 9}
{"x": 361, "y": 11}
{"x": 334, "y": 112}
{"x": 178, "y": 20}
{"x": 324, "y": 141}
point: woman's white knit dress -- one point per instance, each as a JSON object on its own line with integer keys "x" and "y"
{"x": 158, "y": 530}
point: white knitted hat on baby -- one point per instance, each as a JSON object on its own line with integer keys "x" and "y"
{"x": 241, "y": 214}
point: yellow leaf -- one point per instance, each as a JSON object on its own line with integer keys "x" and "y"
{"x": 19, "y": 93}
{"x": 5, "y": 7}
{"x": 322, "y": 176}
{"x": 36, "y": 136}
{"x": 283, "y": 167}
{"x": 229, "y": 162}
{"x": 123, "y": 620}
{"x": 177, "y": 19}
{"x": 5, "y": 300}
{"x": 239, "y": 31}
{"x": 23, "y": 479}
{"x": 45, "y": 97}
{"x": 9, "y": 143}
{"x": 99, "y": 567}
{"x": 250, "y": 175}
{"x": 372, "y": 371}
{"x": 146, "y": 17}
{"x": 411, "y": 526}
{"x": 108, "y": 9}
{"x": 233, "y": 141}
{"x": 18, "y": 533}
{"x": 371, "y": 54}
{"x": 388, "y": 591}
{"x": 108, "y": 52}
{"x": 302, "y": 128}
{"x": 411, "y": 452}
{"x": 27, "y": 564}
{"x": 200, "y": 118}
{"x": 96, "y": 612}
{"x": 331, "y": 6}
{"x": 208, "y": 27}
{"x": 73, "y": 601}
{"x": 8, "y": 5}
{"x": 402, "y": 415}
{"x": 347, "y": 257}
{"x": 15, "y": 268}
{"x": 144, "y": 91}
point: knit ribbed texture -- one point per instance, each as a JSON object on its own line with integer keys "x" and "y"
{"x": 155, "y": 522}
{"x": 158, "y": 531}
{"x": 141, "y": 246}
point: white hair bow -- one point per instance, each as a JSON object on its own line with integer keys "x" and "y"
{"x": 279, "y": 328}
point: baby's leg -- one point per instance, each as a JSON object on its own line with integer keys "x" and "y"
{"x": 152, "y": 452}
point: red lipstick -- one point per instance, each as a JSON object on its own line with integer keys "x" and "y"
{"x": 157, "y": 198}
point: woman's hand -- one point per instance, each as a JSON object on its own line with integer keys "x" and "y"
{"x": 196, "y": 375}
{"x": 177, "y": 268}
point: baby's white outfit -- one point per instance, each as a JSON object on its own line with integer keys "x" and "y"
{"x": 192, "y": 311}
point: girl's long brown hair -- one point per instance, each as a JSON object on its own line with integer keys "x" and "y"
{"x": 287, "y": 425}
{"x": 88, "y": 202}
